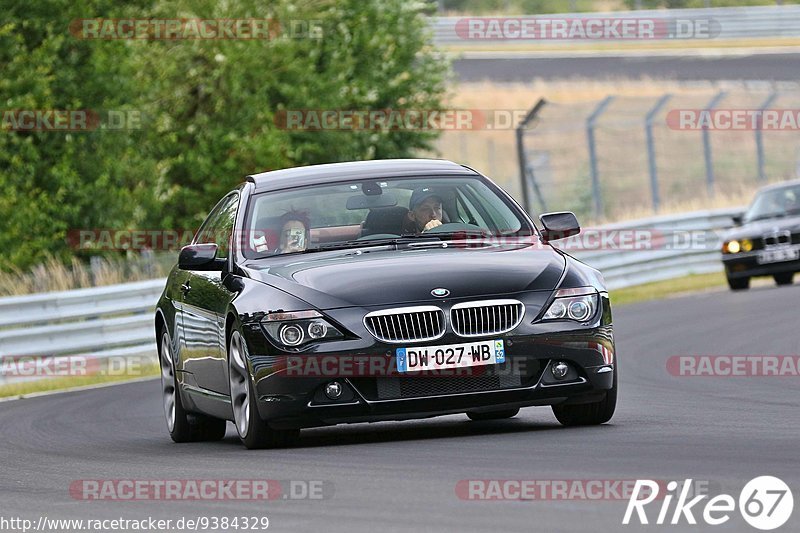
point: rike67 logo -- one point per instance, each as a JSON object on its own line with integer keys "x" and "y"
{"x": 765, "y": 503}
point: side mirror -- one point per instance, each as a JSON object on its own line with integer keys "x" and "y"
{"x": 559, "y": 225}
{"x": 737, "y": 220}
{"x": 200, "y": 257}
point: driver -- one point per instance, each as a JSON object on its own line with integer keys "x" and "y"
{"x": 425, "y": 211}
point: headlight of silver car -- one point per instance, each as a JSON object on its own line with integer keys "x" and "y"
{"x": 573, "y": 304}
{"x": 299, "y": 328}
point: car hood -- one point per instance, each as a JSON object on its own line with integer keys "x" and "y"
{"x": 374, "y": 277}
{"x": 762, "y": 227}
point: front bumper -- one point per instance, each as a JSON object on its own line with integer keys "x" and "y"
{"x": 291, "y": 396}
{"x": 746, "y": 265}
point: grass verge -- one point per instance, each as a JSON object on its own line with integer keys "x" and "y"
{"x": 25, "y": 388}
{"x": 667, "y": 288}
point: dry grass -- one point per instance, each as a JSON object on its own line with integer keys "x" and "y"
{"x": 54, "y": 275}
{"x": 557, "y": 145}
{"x": 66, "y": 383}
{"x": 668, "y": 288}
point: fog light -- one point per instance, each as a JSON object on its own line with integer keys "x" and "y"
{"x": 333, "y": 390}
{"x": 559, "y": 370}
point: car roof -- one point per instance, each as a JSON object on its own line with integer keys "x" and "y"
{"x": 780, "y": 185}
{"x": 334, "y": 172}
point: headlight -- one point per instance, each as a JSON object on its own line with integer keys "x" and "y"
{"x": 731, "y": 247}
{"x": 573, "y": 304}
{"x": 299, "y": 328}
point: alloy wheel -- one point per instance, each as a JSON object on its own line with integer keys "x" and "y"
{"x": 239, "y": 381}
{"x": 167, "y": 382}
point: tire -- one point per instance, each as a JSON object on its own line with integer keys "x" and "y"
{"x": 493, "y": 415}
{"x": 784, "y": 278}
{"x": 182, "y": 425}
{"x": 589, "y": 414}
{"x": 739, "y": 284}
{"x": 253, "y": 432}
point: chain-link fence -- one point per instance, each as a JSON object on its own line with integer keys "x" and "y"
{"x": 620, "y": 156}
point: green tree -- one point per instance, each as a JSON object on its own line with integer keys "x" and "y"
{"x": 208, "y": 108}
{"x": 214, "y": 103}
{"x": 54, "y": 181}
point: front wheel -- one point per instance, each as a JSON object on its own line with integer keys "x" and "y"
{"x": 739, "y": 284}
{"x": 589, "y": 414}
{"x": 784, "y": 278}
{"x": 253, "y": 432}
{"x": 182, "y": 425}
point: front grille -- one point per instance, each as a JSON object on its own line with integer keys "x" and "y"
{"x": 408, "y": 387}
{"x": 489, "y": 317}
{"x": 778, "y": 238}
{"x": 406, "y": 324}
{"x": 521, "y": 372}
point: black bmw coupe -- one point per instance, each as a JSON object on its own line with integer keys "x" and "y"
{"x": 378, "y": 290}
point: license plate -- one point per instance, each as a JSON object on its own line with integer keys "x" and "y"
{"x": 781, "y": 254}
{"x": 450, "y": 356}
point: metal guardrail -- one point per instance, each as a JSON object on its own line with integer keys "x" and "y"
{"x": 99, "y": 323}
{"x": 734, "y": 23}
{"x": 117, "y": 320}
{"x": 625, "y": 268}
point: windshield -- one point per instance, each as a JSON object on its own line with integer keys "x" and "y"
{"x": 371, "y": 212}
{"x": 774, "y": 203}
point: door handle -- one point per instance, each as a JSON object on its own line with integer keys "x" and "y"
{"x": 185, "y": 287}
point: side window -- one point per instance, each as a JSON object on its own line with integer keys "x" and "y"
{"x": 218, "y": 226}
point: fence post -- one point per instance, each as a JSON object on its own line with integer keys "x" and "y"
{"x": 524, "y": 174}
{"x": 651, "y": 150}
{"x": 762, "y": 177}
{"x": 707, "y": 146}
{"x": 590, "y": 122}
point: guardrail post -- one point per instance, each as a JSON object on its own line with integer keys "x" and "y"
{"x": 525, "y": 174}
{"x": 590, "y": 122}
{"x": 762, "y": 176}
{"x": 651, "y": 150}
{"x": 707, "y": 146}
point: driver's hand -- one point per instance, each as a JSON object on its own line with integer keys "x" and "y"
{"x": 432, "y": 224}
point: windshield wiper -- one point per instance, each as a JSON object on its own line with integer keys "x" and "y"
{"x": 343, "y": 245}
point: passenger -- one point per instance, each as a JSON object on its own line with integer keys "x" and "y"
{"x": 294, "y": 233}
{"x": 425, "y": 211}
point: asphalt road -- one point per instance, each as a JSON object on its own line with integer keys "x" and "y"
{"x": 765, "y": 67}
{"x": 402, "y": 476}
